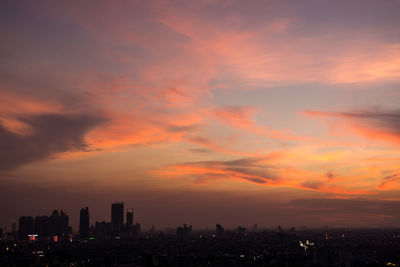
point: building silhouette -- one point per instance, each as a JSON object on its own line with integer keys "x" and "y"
{"x": 220, "y": 229}
{"x": 58, "y": 223}
{"x": 102, "y": 230}
{"x": 25, "y": 227}
{"x": 44, "y": 226}
{"x": 41, "y": 226}
{"x": 129, "y": 217}
{"x": 183, "y": 232}
{"x": 13, "y": 227}
{"x": 117, "y": 216}
{"x": 84, "y": 223}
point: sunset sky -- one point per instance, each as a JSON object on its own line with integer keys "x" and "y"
{"x": 202, "y": 112}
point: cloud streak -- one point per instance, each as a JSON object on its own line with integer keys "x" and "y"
{"x": 374, "y": 124}
{"x": 251, "y": 169}
{"x": 268, "y": 170}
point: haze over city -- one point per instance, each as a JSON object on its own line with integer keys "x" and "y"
{"x": 202, "y": 112}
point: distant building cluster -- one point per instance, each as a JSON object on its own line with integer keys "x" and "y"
{"x": 56, "y": 226}
{"x": 117, "y": 229}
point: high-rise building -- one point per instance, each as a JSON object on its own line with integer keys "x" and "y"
{"x": 183, "y": 232}
{"x": 25, "y": 227}
{"x": 129, "y": 217}
{"x": 117, "y": 216}
{"x": 13, "y": 227}
{"x": 84, "y": 223}
{"x": 41, "y": 226}
{"x": 220, "y": 229}
{"x": 58, "y": 223}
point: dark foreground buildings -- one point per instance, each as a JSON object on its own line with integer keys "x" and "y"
{"x": 113, "y": 244}
{"x": 44, "y": 226}
{"x": 189, "y": 247}
{"x": 56, "y": 226}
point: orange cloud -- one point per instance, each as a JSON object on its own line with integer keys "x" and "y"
{"x": 271, "y": 53}
{"x": 374, "y": 124}
{"x": 391, "y": 182}
{"x": 261, "y": 170}
{"x": 13, "y": 107}
{"x": 241, "y": 117}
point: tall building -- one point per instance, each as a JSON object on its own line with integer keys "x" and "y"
{"x": 41, "y": 226}
{"x": 58, "y": 223}
{"x": 84, "y": 223}
{"x": 183, "y": 232}
{"x": 129, "y": 217}
{"x": 13, "y": 227}
{"x": 220, "y": 229}
{"x": 25, "y": 227}
{"x": 117, "y": 216}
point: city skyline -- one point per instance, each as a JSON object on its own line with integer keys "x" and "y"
{"x": 117, "y": 222}
{"x": 202, "y": 112}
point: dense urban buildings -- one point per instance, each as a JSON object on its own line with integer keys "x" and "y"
{"x": 212, "y": 247}
{"x": 49, "y": 241}
{"x": 56, "y": 226}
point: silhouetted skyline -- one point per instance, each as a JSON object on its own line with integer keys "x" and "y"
{"x": 48, "y": 240}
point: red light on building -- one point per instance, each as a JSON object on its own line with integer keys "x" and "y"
{"x": 55, "y": 238}
{"x": 32, "y": 237}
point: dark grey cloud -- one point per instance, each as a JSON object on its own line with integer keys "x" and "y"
{"x": 389, "y": 120}
{"x": 253, "y": 169}
{"x": 330, "y": 175}
{"x": 255, "y": 180}
{"x": 382, "y": 120}
{"x": 51, "y": 134}
{"x": 312, "y": 185}
{"x": 389, "y": 179}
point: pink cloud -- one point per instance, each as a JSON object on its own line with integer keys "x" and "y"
{"x": 374, "y": 124}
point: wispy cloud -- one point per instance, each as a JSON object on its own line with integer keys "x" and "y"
{"x": 391, "y": 182}
{"x": 374, "y": 124}
{"x": 252, "y": 169}
{"x": 269, "y": 170}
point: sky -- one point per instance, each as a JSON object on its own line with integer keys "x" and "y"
{"x": 202, "y": 112}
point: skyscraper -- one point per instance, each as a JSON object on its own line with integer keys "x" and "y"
{"x": 41, "y": 226}
{"x": 25, "y": 227}
{"x": 58, "y": 222}
{"x": 220, "y": 229}
{"x": 129, "y": 217}
{"x": 84, "y": 223}
{"x": 117, "y": 216}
